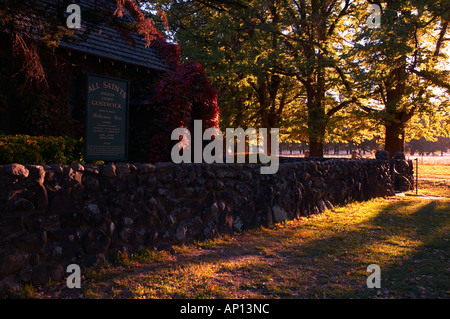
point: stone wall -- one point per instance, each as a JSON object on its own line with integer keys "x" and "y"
{"x": 53, "y": 216}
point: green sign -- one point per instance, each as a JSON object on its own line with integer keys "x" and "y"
{"x": 106, "y": 119}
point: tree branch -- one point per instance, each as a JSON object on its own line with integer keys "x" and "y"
{"x": 437, "y": 15}
{"x": 343, "y": 77}
{"x": 432, "y": 78}
{"x": 367, "y": 109}
{"x": 339, "y": 107}
{"x": 441, "y": 38}
{"x": 341, "y": 14}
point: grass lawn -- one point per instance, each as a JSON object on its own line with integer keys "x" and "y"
{"x": 434, "y": 171}
{"x": 434, "y": 180}
{"x": 323, "y": 256}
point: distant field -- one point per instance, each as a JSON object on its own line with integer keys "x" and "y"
{"x": 423, "y": 160}
{"x": 434, "y": 180}
{"x": 431, "y": 160}
{"x": 434, "y": 171}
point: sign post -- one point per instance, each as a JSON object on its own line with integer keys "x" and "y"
{"x": 106, "y": 133}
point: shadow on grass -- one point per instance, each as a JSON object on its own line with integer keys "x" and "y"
{"x": 408, "y": 239}
{"x": 421, "y": 272}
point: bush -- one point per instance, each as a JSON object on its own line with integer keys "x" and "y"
{"x": 25, "y": 149}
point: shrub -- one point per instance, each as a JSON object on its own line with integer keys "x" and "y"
{"x": 25, "y": 149}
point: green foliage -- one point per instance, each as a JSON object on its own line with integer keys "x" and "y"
{"x": 25, "y": 149}
{"x": 276, "y": 63}
{"x": 241, "y": 60}
{"x": 316, "y": 69}
{"x": 402, "y": 70}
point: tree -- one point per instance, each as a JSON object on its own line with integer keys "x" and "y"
{"x": 241, "y": 47}
{"x": 270, "y": 58}
{"x": 347, "y": 80}
{"x": 401, "y": 67}
{"x": 317, "y": 46}
{"x": 29, "y": 33}
{"x": 17, "y": 22}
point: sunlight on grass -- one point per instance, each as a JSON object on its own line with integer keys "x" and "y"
{"x": 434, "y": 180}
{"x": 395, "y": 246}
{"x": 340, "y": 244}
{"x": 323, "y": 256}
{"x": 435, "y": 171}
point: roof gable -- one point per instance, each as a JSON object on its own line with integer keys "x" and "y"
{"x": 103, "y": 38}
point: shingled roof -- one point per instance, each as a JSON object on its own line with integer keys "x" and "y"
{"x": 107, "y": 42}
{"x": 103, "y": 39}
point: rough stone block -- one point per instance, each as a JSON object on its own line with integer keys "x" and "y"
{"x": 31, "y": 242}
{"x": 16, "y": 171}
{"x": 10, "y": 225}
{"x": 279, "y": 214}
{"x": 12, "y": 260}
{"x": 96, "y": 242}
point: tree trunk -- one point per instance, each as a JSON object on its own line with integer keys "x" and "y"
{"x": 315, "y": 149}
{"x": 269, "y": 142}
{"x": 395, "y": 138}
{"x": 395, "y": 123}
{"x": 317, "y": 130}
{"x": 316, "y": 127}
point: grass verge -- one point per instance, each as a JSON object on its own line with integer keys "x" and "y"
{"x": 324, "y": 256}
